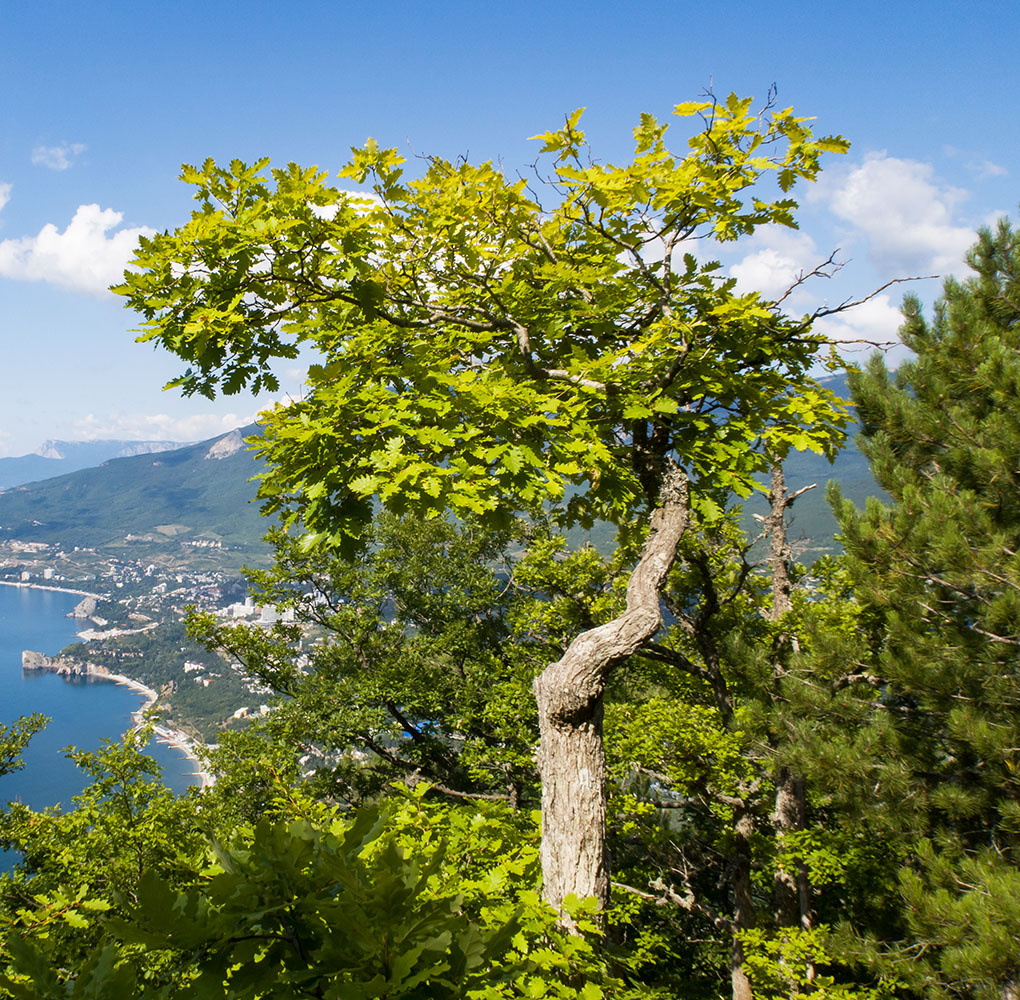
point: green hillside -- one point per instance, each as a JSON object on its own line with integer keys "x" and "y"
{"x": 199, "y": 492}
{"x": 204, "y": 492}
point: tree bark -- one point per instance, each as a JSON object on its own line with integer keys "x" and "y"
{"x": 779, "y": 547}
{"x": 791, "y": 890}
{"x": 571, "y": 757}
{"x": 743, "y": 903}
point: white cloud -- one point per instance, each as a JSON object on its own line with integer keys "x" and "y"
{"x": 158, "y": 426}
{"x": 985, "y": 169}
{"x": 57, "y": 157}
{"x": 783, "y": 255}
{"x": 5, "y": 194}
{"x": 876, "y": 321}
{"x": 906, "y": 215}
{"x": 87, "y": 256}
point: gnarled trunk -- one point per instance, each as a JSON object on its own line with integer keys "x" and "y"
{"x": 572, "y": 763}
{"x": 571, "y": 758}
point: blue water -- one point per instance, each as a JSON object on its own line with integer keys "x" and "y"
{"x": 81, "y": 713}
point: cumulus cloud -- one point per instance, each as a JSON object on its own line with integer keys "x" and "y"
{"x": 780, "y": 257}
{"x": 88, "y": 256}
{"x": 158, "y": 426}
{"x": 876, "y": 321}
{"x": 5, "y": 194}
{"x": 57, "y": 157}
{"x": 905, "y": 214}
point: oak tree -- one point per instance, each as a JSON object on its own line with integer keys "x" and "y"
{"x": 491, "y": 344}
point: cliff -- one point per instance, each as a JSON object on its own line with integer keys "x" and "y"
{"x": 64, "y": 666}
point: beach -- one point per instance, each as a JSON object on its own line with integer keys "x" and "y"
{"x": 46, "y": 586}
{"x": 172, "y": 737}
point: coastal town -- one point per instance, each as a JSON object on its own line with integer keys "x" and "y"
{"x": 131, "y": 632}
{"x": 164, "y": 582}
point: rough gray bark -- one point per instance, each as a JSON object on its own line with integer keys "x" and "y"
{"x": 779, "y": 547}
{"x": 571, "y": 757}
{"x": 792, "y": 890}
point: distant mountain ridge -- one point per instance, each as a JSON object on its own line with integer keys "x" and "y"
{"x": 204, "y": 493}
{"x": 55, "y": 458}
{"x": 196, "y": 492}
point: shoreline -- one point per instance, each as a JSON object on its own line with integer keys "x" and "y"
{"x": 45, "y": 586}
{"x": 172, "y": 737}
{"x": 88, "y": 634}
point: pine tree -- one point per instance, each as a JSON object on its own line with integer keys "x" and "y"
{"x": 940, "y": 565}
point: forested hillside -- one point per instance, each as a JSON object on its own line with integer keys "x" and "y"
{"x": 191, "y": 492}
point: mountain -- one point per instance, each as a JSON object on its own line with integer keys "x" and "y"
{"x": 54, "y": 458}
{"x": 204, "y": 493}
{"x": 193, "y": 493}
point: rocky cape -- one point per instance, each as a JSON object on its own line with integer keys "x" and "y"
{"x": 62, "y": 665}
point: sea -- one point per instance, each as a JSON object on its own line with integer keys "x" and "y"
{"x": 82, "y": 713}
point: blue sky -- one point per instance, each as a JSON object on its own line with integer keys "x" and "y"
{"x": 104, "y": 100}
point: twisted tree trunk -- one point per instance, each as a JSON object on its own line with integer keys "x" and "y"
{"x": 571, "y": 757}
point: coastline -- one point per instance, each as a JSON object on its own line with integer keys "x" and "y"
{"x": 44, "y": 586}
{"x": 172, "y": 737}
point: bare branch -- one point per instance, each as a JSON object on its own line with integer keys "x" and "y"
{"x": 826, "y": 269}
{"x": 851, "y": 303}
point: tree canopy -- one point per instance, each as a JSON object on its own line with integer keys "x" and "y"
{"x": 487, "y": 340}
